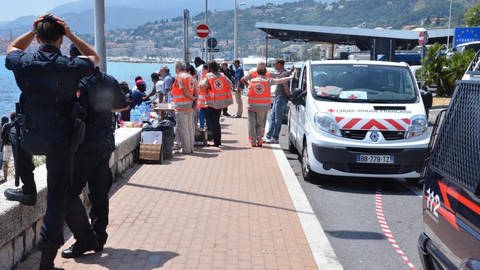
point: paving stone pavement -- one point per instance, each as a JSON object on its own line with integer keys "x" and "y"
{"x": 220, "y": 208}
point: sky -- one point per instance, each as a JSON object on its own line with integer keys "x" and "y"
{"x": 12, "y": 9}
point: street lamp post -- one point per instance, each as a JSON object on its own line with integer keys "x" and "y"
{"x": 449, "y": 24}
{"x": 99, "y": 22}
{"x": 206, "y": 23}
{"x": 235, "y": 30}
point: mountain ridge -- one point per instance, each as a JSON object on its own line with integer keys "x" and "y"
{"x": 142, "y": 11}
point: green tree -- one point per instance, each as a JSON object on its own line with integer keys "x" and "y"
{"x": 472, "y": 16}
{"x": 457, "y": 65}
{"x": 442, "y": 73}
{"x": 434, "y": 63}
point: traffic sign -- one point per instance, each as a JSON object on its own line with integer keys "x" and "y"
{"x": 422, "y": 38}
{"x": 202, "y": 30}
{"x": 466, "y": 34}
{"x": 211, "y": 42}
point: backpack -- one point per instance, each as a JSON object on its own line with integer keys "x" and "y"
{"x": 96, "y": 97}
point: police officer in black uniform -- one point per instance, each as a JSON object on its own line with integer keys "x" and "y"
{"x": 48, "y": 82}
{"x": 100, "y": 95}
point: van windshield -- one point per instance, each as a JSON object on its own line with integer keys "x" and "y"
{"x": 363, "y": 83}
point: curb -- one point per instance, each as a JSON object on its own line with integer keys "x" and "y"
{"x": 317, "y": 240}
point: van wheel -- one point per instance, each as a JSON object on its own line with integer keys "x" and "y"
{"x": 307, "y": 173}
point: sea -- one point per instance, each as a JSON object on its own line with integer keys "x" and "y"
{"x": 9, "y": 91}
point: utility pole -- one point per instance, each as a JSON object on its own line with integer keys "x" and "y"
{"x": 99, "y": 22}
{"x": 206, "y": 23}
{"x": 186, "y": 52}
{"x": 449, "y": 24}
{"x": 235, "y": 30}
{"x": 266, "y": 48}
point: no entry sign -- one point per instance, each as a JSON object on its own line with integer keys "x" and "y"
{"x": 202, "y": 31}
{"x": 422, "y": 38}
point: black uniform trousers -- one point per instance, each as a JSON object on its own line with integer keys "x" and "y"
{"x": 213, "y": 124}
{"x": 90, "y": 167}
{"x": 59, "y": 177}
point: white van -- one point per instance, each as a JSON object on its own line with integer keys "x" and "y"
{"x": 358, "y": 118}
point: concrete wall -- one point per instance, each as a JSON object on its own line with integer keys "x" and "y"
{"x": 20, "y": 225}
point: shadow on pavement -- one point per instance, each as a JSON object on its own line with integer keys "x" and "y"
{"x": 113, "y": 258}
{"x": 204, "y": 154}
{"x": 361, "y": 235}
{"x": 228, "y": 147}
{"x": 216, "y": 197}
{"x": 364, "y": 185}
{"x": 229, "y": 141}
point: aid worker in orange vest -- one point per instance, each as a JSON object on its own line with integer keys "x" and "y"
{"x": 219, "y": 96}
{"x": 259, "y": 101}
{"x": 253, "y": 73}
{"x": 183, "y": 100}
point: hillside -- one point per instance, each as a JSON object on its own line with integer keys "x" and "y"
{"x": 163, "y": 36}
{"x": 121, "y": 14}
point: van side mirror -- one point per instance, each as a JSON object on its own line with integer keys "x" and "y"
{"x": 298, "y": 97}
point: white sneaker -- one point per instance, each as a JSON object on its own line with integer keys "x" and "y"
{"x": 272, "y": 141}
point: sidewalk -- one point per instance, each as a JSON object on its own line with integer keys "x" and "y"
{"x": 220, "y": 208}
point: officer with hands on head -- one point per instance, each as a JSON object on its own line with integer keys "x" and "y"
{"x": 100, "y": 95}
{"x": 48, "y": 82}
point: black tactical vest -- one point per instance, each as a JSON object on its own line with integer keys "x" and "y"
{"x": 47, "y": 101}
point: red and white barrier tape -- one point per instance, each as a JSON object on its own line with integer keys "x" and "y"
{"x": 382, "y": 221}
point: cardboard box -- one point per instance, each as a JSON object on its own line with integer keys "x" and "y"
{"x": 151, "y": 152}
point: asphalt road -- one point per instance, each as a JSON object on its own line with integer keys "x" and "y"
{"x": 346, "y": 210}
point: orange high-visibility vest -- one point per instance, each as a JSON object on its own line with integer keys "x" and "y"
{"x": 202, "y": 94}
{"x": 259, "y": 97}
{"x": 254, "y": 74}
{"x": 220, "y": 95}
{"x": 180, "y": 101}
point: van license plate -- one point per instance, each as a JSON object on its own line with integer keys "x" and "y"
{"x": 375, "y": 159}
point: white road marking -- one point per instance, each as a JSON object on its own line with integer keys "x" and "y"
{"x": 322, "y": 250}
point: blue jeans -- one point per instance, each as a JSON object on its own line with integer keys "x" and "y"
{"x": 276, "y": 117}
{"x": 202, "y": 117}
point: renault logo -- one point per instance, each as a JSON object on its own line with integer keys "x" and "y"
{"x": 374, "y": 136}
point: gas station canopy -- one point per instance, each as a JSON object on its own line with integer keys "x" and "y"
{"x": 364, "y": 38}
